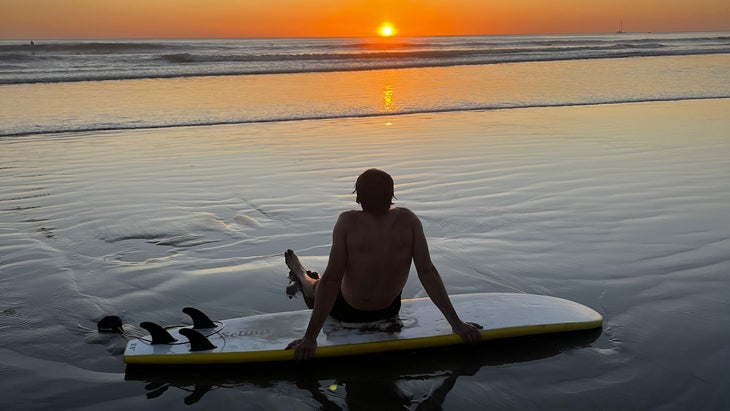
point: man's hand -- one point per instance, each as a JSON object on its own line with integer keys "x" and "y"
{"x": 303, "y": 348}
{"x": 469, "y": 332}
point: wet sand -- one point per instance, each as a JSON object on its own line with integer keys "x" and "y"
{"x": 619, "y": 207}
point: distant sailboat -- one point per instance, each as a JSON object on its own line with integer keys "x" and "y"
{"x": 621, "y": 30}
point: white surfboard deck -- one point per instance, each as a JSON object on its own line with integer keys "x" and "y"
{"x": 263, "y": 337}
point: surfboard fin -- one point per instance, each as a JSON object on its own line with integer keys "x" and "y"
{"x": 198, "y": 342}
{"x": 200, "y": 320}
{"x": 159, "y": 334}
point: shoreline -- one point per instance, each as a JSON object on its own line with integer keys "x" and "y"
{"x": 362, "y": 116}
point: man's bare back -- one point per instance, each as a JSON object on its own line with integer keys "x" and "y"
{"x": 368, "y": 265}
{"x": 379, "y": 252}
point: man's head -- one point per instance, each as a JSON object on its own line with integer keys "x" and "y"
{"x": 374, "y": 190}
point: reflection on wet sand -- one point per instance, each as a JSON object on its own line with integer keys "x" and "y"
{"x": 414, "y": 380}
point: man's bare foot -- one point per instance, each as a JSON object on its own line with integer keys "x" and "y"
{"x": 300, "y": 278}
{"x": 295, "y": 266}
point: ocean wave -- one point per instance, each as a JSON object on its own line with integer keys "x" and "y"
{"x": 639, "y": 46}
{"x": 590, "y": 43}
{"x": 94, "y": 47}
{"x": 179, "y": 58}
{"x": 430, "y": 55}
{"x": 327, "y": 45}
{"x": 15, "y": 57}
{"x": 519, "y": 41}
{"x": 9, "y": 46}
{"x": 86, "y": 128}
{"x": 61, "y": 61}
{"x": 211, "y": 65}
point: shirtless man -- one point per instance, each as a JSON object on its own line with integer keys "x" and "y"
{"x": 368, "y": 266}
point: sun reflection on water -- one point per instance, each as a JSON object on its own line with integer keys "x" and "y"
{"x": 388, "y": 98}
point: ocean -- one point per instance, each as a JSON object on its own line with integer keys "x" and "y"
{"x": 300, "y": 79}
{"x": 62, "y": 61}
{"x": 139, "y": 177}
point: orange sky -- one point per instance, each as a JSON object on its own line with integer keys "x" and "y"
{"x": 42, "y": 19}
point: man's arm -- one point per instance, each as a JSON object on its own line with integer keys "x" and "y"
{"x": 434, "y": 286}
{"x": 327, "y": 290}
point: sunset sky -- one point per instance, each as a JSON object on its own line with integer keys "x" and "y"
{"x": 88, "y": 19}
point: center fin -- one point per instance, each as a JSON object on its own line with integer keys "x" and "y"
{"x": 200, "y": 320}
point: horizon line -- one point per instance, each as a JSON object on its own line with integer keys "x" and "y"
{"x": 347, "y": 37}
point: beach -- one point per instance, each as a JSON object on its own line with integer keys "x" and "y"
{"x": 608, "y": 194}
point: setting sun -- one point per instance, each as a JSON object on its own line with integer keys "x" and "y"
{"x": 386, "y": 30}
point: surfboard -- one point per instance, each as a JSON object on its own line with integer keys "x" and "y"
{"x": 262, "y": 338}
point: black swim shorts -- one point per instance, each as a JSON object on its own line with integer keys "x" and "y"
{"x": 343, "y": 311}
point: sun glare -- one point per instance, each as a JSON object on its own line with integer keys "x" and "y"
{"x": 386, "y": 30}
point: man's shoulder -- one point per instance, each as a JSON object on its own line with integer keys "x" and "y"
{"x": 404, "y": 210}
{"x": 348, "y": 218}
{"x": 350, "y": 214}
{"x": 405, "y": 213}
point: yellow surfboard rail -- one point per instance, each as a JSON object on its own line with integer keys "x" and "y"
{"x": 355, "y": 349}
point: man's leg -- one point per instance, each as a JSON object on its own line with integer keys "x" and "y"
{"x": 307, "y": 283}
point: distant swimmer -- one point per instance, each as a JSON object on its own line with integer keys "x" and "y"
{"x": 32, "y": 47}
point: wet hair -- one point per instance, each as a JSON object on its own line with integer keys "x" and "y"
{"x": 375, "y": 192}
